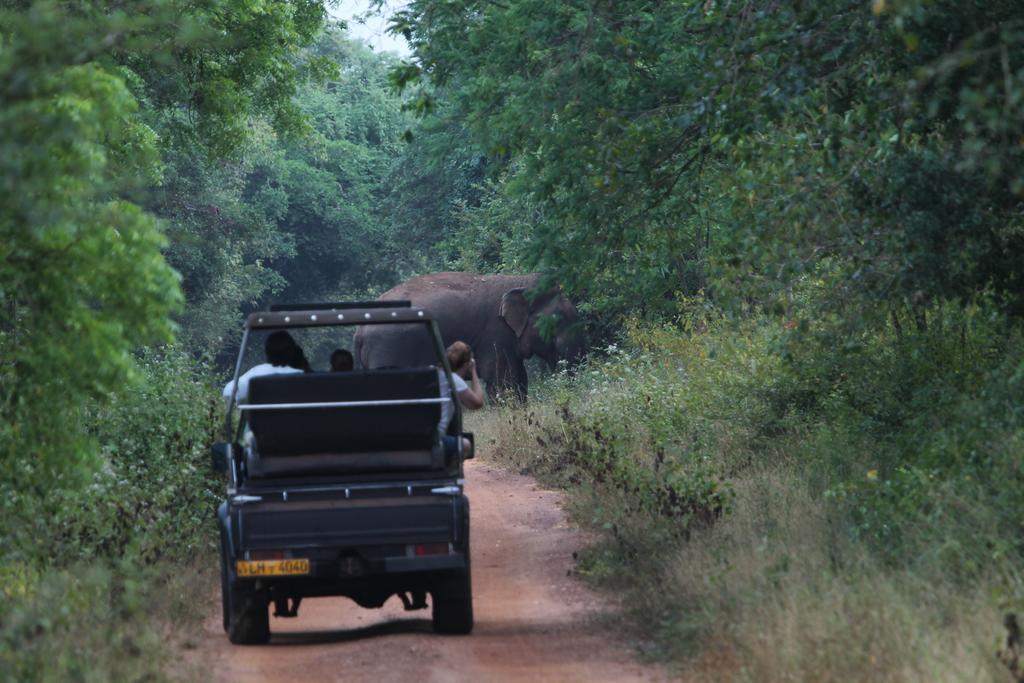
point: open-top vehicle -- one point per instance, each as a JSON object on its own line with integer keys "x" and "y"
{"x": 339, "y": 483}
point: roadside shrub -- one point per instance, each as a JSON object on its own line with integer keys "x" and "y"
{"x": 850, "y": 505}
{"x": 779, "y": 591}
{"x": 98, "y": 623}
{"x": 154, "y": 497}
{"x": 94, "y": 572}
{"x": 658, "y": 428}
{"x": 917, "y": 436}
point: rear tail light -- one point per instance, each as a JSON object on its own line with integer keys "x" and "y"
{"x": 421, "y": 549}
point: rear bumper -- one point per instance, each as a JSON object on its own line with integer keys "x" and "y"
{"x": 400, "y": 565}
{"x": 370, "y": 589}
{"x": 352, "y": 569}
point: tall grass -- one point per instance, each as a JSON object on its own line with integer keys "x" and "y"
{"x": 779, "y": 509}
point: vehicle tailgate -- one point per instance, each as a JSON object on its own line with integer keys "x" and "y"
{"x": 345, "y": 523}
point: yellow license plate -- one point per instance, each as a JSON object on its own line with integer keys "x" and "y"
{"x": 293, "y": 567}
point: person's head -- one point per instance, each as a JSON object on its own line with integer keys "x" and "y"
{"x": 280, "y": 348}
{"x": 459, "y": 355}
{"x": 341, "y": 361}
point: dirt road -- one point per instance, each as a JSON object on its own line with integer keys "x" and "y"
{"x": 534, "y": 621}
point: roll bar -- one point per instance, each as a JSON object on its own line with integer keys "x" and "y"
{"x": 326, "y": 317}
{"x": 344, "y": 404}
{"x": 375, "y": 313}
{"x": 340, "y": 306}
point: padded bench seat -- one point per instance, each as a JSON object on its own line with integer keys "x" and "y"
{"x": 344, "y": 440}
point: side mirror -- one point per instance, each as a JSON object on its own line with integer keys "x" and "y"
{"x": 468, "y": 455}
{"x": 220, "y": 456}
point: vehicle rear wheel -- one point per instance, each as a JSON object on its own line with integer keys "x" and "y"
{"x": 248, "y": 616}
{"x": 453, "y": 604}
{"x": 225, "y": 588}
{"x": 246, "y": 612}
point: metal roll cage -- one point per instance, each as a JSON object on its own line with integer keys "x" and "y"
{"x": 339, "y": 315}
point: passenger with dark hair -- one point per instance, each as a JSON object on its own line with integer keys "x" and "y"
{"x": 342, "y": 361}
{"x": 299, "y": 361}
{"x": 280, "y": 351}
{"x": 279, "y": 348}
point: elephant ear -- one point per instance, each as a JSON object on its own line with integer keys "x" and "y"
{"x": 515, "y": 310}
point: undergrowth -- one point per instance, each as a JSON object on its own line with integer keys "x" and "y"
{"x": 98, "y": 578}
{"x": 777, "y": 506}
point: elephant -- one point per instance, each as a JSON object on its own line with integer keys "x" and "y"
{"x": 494, "y": 314}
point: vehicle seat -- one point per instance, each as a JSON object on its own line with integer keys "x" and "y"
{"x": 356, "y": 440}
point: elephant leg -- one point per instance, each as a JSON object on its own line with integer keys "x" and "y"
{"x": 357, "y": 351}
{"x": 510, "y": 376}
{"x": 487, "y": 369}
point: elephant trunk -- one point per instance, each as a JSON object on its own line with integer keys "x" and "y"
{"x": 570, "y": 347}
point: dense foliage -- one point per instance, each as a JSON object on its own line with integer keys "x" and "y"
{"x": 287, "y": 218}
{"x": 853, "y": 168}
{"x": 841, "y": 183}
{"x": 869, "y": 148}
{"x": 802, "y": 222}
{"x": 91, "y": 576}
{"x": 82, "y": 280}
{"x": 86, "y": 122}
{"x": 103, "y": 447}
{"x": 841, "y": 517}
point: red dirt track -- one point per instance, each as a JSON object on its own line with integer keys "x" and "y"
{"x": 534, "y": 621}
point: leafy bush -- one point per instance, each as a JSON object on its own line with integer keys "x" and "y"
{"x": 87, "y": 572}
{"x": 915, "y": 433}
{"x": 147, "y": 489}
{"x": 844, "y": 507}
{"x": 97, "y": 623}
{"x": 659, "y": 431}
{"x": 154, "y": 496}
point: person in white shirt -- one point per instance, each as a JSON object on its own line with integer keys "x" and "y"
{"x": 280, "y": 350}
{"x": 463, "y": 364}
{"x": 471, "y": 394}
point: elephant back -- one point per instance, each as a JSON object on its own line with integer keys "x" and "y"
{"x": 465, "y": 306}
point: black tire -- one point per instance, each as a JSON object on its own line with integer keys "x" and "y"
{"x": 225, "y": 588}
{"x": 225, "y": 580}
{"x": 246, "y": 612}
{"x": 248, "y": 617}
{"x": 453, "y": 604}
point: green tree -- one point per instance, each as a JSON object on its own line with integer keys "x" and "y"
{"x": 588, "y": 104}
{"x": 433, "y": 187}
{"x": 333, "y": 182}
{"x": 82, "y": 280}
{"x": 799, "y": 142}
{"x": 221, "y": 241}
{"x": 219, "y": 63}
{"x": 88, "y": 124}
{"x": 223, "y": 98}
{"x": 289, "y": 217}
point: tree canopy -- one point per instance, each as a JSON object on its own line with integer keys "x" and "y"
{"x": 171, "y": 165}
{"x": 777, "y": 144}
{"x": 88, "y": 123}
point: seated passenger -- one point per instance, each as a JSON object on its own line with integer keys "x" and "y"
{"x": 463, "y": 365}
{"x": 280, "y": 351}
{"x": 299, "y": 361}
{"x": 342, "y": 361}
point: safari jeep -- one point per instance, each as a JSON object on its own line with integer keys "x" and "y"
{"x": 338, "y": 484}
